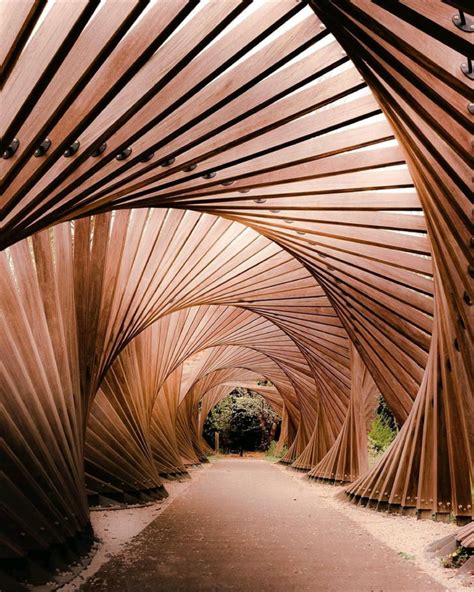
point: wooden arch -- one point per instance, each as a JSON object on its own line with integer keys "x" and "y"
{"x": 148, "y": 377}
{"x": 311, "y": 163}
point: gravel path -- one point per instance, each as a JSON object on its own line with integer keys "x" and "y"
{"x": 246, "y": 525}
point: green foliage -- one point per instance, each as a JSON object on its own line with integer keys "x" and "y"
{"x": 243, "y": 420}
{"x": 380, "y": 436}
{"x": 384, "y": 412}
{"x": 219, "y": 418}
{"x": 457, "y": 558}
{"x": 407, "y": 556}
{"x": 383, "y": 430}
{"x": 272, "y": 451}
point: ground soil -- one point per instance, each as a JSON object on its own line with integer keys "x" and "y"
{"x": 247, "y": 525}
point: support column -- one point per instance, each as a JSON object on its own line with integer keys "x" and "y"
{"x": 297, "y": 446}
{"x": 320, "y": 442}
{"x": 187, "y": 433}
{"x": 348, "y": 457}
{"x": 428, "y": 468}
{"x": 164, "y": 442}
{"x": 283, "y": 439}
{"x": 44, "y": 514}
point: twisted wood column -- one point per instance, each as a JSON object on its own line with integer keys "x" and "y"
{"x": 187, "y": 432}
{"x": 163, "y": 439}
{"x": 321, "y": 440}
{"x": 425, "y": 468}
{"x": 348, "y": 456}
{"x": 286, "y": 432}
{"x": 42, "y": 411}
{"x": 118, "y": 456}
{"x": 412, "y": 56}
{"x": 297, "y": 446}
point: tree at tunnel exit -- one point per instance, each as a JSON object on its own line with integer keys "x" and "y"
{"x": 244, "y": 421}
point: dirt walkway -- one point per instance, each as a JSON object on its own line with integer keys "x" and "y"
{"x": 247, "y": 526}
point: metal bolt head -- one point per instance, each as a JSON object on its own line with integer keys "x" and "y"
{"x": 11, "y": 149}
{"x": 124, "y": 154}
{"x": 73, "y": 148}
{"x": 43, "y": 148}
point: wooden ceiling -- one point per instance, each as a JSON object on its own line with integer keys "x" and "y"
{"x": 229, "y": 108}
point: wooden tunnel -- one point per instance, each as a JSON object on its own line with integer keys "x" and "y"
{"x": 203, "y": 194}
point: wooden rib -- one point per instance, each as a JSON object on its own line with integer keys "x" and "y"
{"x": 17, "y": 21}
{"x": 415, "y": 73}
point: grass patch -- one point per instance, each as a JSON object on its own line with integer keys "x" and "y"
{"x": 407, "y": 556}
{"x": 272, "y": 454}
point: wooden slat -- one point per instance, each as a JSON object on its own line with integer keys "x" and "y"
{"x": 17, "y": 20}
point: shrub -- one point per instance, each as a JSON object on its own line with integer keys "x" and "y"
{"x": 273, "y": 452}
{"x": 243, "y": 420}
{"x": 380, "y": 436}
{"x": 457, "y": 558}
{"x": 383, "y": 430}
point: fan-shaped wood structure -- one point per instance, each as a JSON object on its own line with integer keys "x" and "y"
{"x": 191, "y": 188}
{"x": 348, "y": 457}
{"x": 159, "y": 364}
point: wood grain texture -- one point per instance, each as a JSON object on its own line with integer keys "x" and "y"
{"x": 413, "y": 66}
{"x": 347, "y": 458}
{"x": 296, "y": 204}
